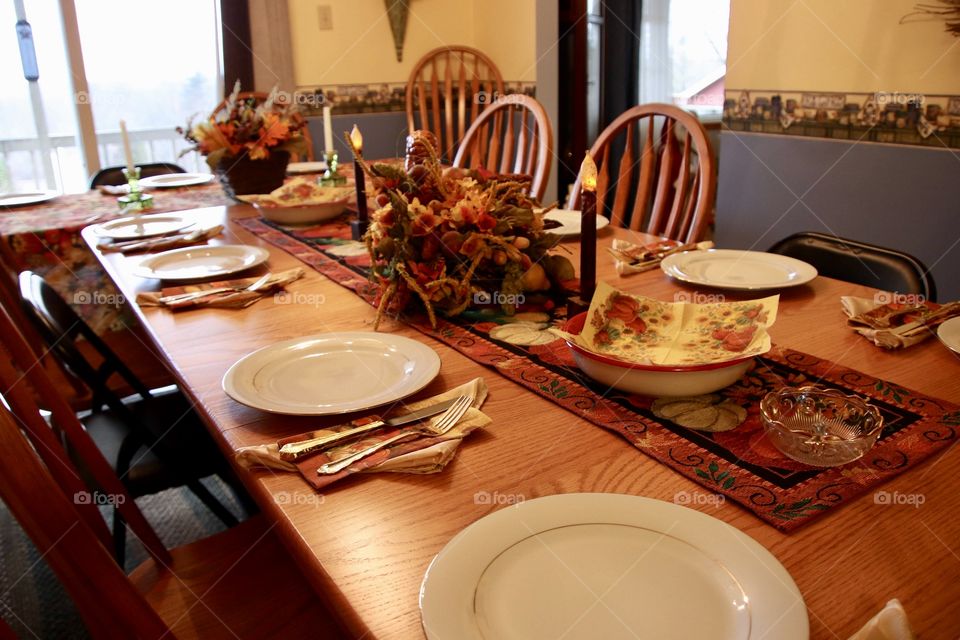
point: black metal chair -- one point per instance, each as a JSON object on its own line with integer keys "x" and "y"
{"x": 154, "y": 441}
{"x": 114, "y": 175}
{"x": 860, "y": 262}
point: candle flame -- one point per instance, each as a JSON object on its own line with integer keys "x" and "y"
{"x": 588, "y": 173}
{"x": 356, "y": 139}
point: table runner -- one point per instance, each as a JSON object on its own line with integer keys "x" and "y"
{"x": 46, "y": 238}
{"x": 739, "y": 464}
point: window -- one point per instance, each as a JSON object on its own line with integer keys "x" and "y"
{"x": 683, "y": 54}
{"x": 151, "y": 64}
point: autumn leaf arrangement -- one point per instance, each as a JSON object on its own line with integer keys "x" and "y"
{"x": 247, "y": 126}
{"x": 446, "y": 239}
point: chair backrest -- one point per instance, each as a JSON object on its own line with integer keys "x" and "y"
{"x": 61, "y": 327}
{"x": 448, "y": 89}
{"x": 666, "y": 186}
{"x": 513, "y": 135}
{"x": 105, "y": 598}
{"x": 860, "y": 262}
{"x": 255, "y": 98}
{"x": 114, "y": 175}
{"x": 20, "y": 382}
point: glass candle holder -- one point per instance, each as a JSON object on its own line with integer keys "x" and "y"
{"x": 136, "y": 199}
{"x": 332, "y": 177}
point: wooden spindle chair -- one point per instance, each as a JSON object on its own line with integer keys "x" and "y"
{"x": 448, "y": 89}
{"x": 21, "y": 381}
{"x": 513, "y": 135}
{"x": 666, "y": 184}
{"x": 239, "y": 583}
{"x": 259, "y": 96}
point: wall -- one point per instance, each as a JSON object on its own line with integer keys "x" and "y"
{"x": 505, "y": 30}
{"x": 874, "y": 180}
{"x": 360, "y": 49}
{"x": 845, "y": 46}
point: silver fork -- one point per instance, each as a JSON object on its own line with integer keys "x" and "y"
{"x": 443, "y": 424}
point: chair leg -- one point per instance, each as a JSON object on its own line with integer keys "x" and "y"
{"x": 215, "y": 506}
{"x": 119, "y": 538}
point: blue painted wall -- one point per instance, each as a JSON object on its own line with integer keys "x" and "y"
{"x": 899, "y": 196}
{"x": 384, "y": 134}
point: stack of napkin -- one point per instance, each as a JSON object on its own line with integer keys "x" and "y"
{"x": 161, "y": 243}
{"x": 896, "y": 325}
{"x": 226, "y": 294}
{"x": 652, "y": 332}
{"x": 424, "y": 455}
{"x": 637, "y": 258}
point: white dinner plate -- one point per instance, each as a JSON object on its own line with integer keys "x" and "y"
{"x": 306, "y": 167}
{"x": 599, "y": 565}
{"x": 742, "y": 270}
{"x": 331, "y": 373}
{"x": 949, "y": 334}
{"x": 569, "y": 220}
{"x": 200, "y": 263}
{"x": 173, "y": 180}
{"x": 22, "y": 199}
{"x": 141, "y": 226}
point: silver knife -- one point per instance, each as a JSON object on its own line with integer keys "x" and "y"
{"x": 292, "y": 451}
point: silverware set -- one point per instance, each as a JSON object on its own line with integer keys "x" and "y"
{"x": 180, "y": 298}
{"x": 452, "y": 410}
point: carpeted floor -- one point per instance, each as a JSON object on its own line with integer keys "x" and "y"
{"x": 31, "y": 599}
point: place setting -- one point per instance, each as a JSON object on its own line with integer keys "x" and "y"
{"x": 26, "y": 198}
{"x": 176, "y": 180}
{"x": 346, "y": 373}
{"x": 142, "y": 233}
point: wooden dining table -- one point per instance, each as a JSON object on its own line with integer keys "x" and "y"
{"x": 365, "y": 543}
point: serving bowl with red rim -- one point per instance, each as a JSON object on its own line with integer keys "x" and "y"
{"x": 653, "y": 380}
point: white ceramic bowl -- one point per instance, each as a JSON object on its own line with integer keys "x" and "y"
{"x": 302, "y": 213}
{"x": 653, "y": 380}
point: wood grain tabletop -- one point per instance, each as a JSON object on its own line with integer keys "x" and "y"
{"x": 365, "y": 543}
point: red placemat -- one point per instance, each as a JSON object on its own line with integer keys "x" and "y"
{"x": 739, "y": 464}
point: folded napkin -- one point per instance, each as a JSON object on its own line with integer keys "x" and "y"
{"x": 637, "y": 258}
{"x": 895, "y": 325}
{"x": 890, "y": 624}
{"x": 648, "y": 331}
{"x": 425, "y": 454}
{"x": 113, "y": 189}
{"x": 237, "y": 297}
{"x": 184, "y": 239}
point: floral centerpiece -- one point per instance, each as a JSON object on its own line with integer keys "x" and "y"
{"x": 449, "y": 239}
{"x": 248, "y": 141}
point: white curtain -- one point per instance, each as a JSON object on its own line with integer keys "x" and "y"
{"x": 656, "y": 84}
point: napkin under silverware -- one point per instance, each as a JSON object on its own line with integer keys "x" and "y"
{"x": 236, "y": 298}
{"x": 184, "y": 239}
{"x": 408, "y": 457}
{"x": 895, "y": 326}
{"x": 890, "y": 624}
{"x": 637, "y": 258}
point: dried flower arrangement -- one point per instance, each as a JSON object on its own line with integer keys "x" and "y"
{"x": 451, "y": 237}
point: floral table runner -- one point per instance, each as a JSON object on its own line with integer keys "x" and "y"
{"x": 717, "y": 440}
{"x": 46, "y": 238}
